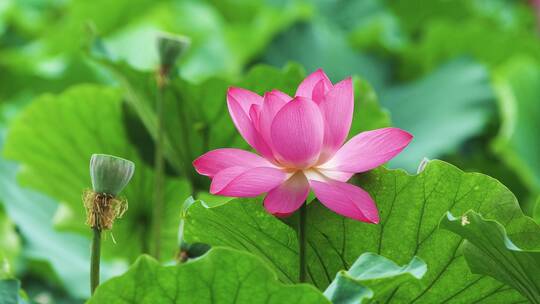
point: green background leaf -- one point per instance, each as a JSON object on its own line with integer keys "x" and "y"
{"x": 328, "y": 49}
{"x": 66, "y": 253}
{"x": 54, "y": 138}
{"x": 518, "y": 141}
{"x": 217, "y": 30}
{"x": 442, "y": 110}
{"x": 10, "y": 245}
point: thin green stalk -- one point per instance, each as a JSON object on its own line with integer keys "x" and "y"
{"x": 158, "y": 169}
{"x": 95, "y": 258}
{"x": 302, "y": 240}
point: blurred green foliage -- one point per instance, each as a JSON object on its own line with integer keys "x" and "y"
{"x": 78, "y": 77}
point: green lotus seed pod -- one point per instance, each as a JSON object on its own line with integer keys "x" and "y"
{"x": 110, "y": 174}
{"x": 170, "y": 48}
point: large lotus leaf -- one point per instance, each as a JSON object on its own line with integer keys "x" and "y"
{"x": 489, "y": 251}
{"x": 410, "y": 210}
{"x": 53, "y": 139}
{"x": 474, "y": 157}
{"x": 221, "y": 276}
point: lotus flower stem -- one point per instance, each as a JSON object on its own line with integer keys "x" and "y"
{"x": 158, "y": 170}
{"x": 170, "y": 47}
{"x": 302, "y": 225}
{"x": 95, "y": 259}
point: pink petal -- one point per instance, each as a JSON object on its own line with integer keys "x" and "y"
{"x": 272, "y": 104}
{"x": 369, "y": 150}
{"x": 305, "y": 89}
{"x": 337, "y": 108}
{"x": 287, "y": 197}
{"x": 297, "y": 133}
{"x": 320, "y": 90}
{"x": 244, "y": 97}
{"x": 246, "y": 182}
{"x": 347, "y": 200}
{"x": 239, "y": 111}
{"x": 337, "y": 175}
{"x": 254, "y": 115}
{"x": 212, "y": 162}
{"x": 282, "y": 95}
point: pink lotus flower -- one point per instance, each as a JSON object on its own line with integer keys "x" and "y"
{"x": 300, "y": 140}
